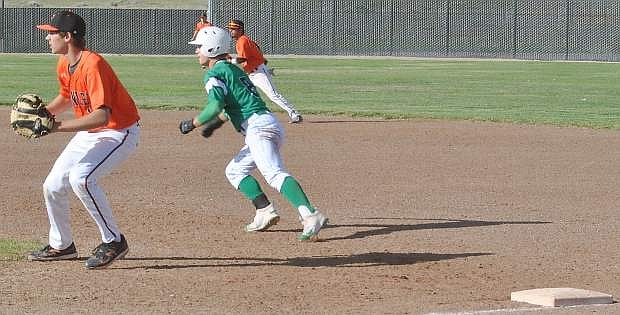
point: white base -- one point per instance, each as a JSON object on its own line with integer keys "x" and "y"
{"x": 561, "y": 297}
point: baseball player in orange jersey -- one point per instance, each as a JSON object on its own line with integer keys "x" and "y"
{"x": 106, "y": 121}
{"x": 251, "y": 59}
{"x": 202, "y": 23}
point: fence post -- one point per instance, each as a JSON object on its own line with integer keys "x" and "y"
{"x": 448, "y": 27}
{"x": 514, "y": 29}
{"x": 333, "y": 28}
{"x": 209, "y": 11}
{"x": 567, "y": 28}
{"x": 4, "y": 31}
{"x": 392, "y": 14}
{"x": 271, "y": 26}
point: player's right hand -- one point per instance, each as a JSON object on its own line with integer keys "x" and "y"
{"x": 186, "y": 126}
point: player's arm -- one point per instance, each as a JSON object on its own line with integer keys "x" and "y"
{"x": 62, "y": 102}
{"x": 242, "y": 48}
{"x": 210, "y": 126}
{"x": 58, "y": 105}
{"x": 97, "y": 118}
{"x": 212, "y": 112}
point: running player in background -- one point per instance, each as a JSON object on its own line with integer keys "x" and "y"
{"x": 251, "y": 59}
{"x": 106, "y": 121}
{"x": 231, "y": 95}
{"x": 202, "y": 22}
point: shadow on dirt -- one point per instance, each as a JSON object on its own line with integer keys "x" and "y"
{"x": 385, "y": 228}
{"x": 358, "y": 260}
{"x": 349, "y": 121}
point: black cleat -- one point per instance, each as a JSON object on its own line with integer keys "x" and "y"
{"x": 106, "y": 253}
{"x": 48, "y": 253}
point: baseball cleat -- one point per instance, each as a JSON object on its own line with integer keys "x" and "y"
{"x": 106, "y": 253}
{"x": 312, "y": 225}
{"x": 296, "y": 118}
{"x": 264, "y": 219}
{"x": 49, "y": 253}
{"x": 324, "y": 220}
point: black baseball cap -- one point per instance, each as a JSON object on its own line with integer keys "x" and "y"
{"x": 66, "y": 21}
{"x": 235, "y": 25}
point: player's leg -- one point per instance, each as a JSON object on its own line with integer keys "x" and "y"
{"x": 56, "y": 194}
{"x": 105, "y": 151}
{"x": 262, "y": 79}
{"x": 238, "y": 174}
{"x": 264, "y": 138}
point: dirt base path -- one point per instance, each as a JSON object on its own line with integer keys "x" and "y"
{"x": 426, "y": 216}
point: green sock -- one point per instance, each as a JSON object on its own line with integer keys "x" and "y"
{"x": 250, "y": 187}
{"x": 291, "y": 190}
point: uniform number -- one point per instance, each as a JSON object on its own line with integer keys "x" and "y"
{"x": 249, "y": 85}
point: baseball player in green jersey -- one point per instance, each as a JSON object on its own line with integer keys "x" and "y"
{"x": 232, "y": 96}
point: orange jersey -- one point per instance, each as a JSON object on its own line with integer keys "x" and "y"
{"x": 93, "y": 85}
{"x": 248, "y": 49}
{"x": 200, "y": 25}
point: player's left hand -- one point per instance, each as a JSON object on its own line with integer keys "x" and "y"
{"x": 186, "y": 126}
{"x": 30, "y": 118}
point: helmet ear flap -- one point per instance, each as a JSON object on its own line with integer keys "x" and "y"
{"x": 208, "y": 51}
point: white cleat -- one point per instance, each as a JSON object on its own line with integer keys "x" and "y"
{"x": 312, "y": 225}
{"x": 264, "y": 219}
{"x": 296, "y": 118}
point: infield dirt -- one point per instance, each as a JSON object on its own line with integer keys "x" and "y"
{"x": 425, "y": 216}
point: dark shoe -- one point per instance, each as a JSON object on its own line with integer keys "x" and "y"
{"x": 106, "y": 253}
{"x": 48, "y": 253}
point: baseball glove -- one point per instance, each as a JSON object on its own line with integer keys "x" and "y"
{"x": 30, "y": 118}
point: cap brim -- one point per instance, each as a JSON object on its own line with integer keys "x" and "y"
{"x": 194, "y": 42}
{"x": 47, "y": 27}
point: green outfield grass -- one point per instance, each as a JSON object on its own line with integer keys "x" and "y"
{"x": 15, "y": 250}
{"x": 558, "y": 93}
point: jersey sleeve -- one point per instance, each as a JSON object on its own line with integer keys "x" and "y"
{"x": 62, "y": 79}
{"x": 249, "y": 50}
{"x": 243, "y": 47}
{"x": 216, "y": 91}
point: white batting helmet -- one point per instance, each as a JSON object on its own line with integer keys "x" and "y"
{"x": 213, "y": 41}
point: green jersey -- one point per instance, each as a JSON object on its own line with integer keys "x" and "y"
{"x": 229, "y": 89}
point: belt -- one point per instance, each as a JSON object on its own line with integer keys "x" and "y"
{"x": 244, "y": 123}
{"x": 257, "y": 67}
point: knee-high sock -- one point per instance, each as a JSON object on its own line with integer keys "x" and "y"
{"x": 291, "y": 190}
{"x": 250, "y": 188}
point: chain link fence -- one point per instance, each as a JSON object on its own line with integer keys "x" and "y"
{"x": 122, "y": 31}
{"x": 519, "y": 29}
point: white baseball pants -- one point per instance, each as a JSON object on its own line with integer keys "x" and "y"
{"x": 262, "y": 79}
{"x": 263, "y": 138}
{"x": 87, "y": 157}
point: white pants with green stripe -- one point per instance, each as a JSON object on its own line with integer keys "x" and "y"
{"x": 263, "y": 138}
